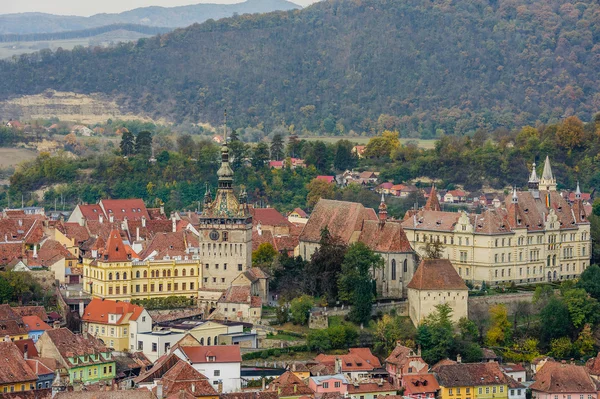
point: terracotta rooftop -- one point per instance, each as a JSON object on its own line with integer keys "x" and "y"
{"x": 132, "y": 209}
{"x": 433, "y": 203}
{"x": 240, "y": 294}
{"x": 71, "y": 345}
{"x": 386, "y": 237}
{"x": 74, "y": 231}
{"x": 342, "y": 218}
{"x": 268, "y": 217}
{"x": 213, "y": 354}
{"x": 420, "y": 383}
{"x": 471, "y": 374}
{"x": 45, "y": 393}
{"x": 34, "y": 323}
{"x": 402, "y": 356}
{"x": 38, "y": 311}
{"x": 38, "y": 367}
{"x": 13, "y": 367}
{"x": 27, "y": 346}
{"x": 436, "y": 274}
{"x": 443, "y": 362}
{"x": 356, "y": 359}
{"x": 116, "y": 250}
{"x": 126, "y": 394}
{"x": 288, "y": 384}
{"x": 97, "y": 311}
{"x": 300, "y": 212}
{"x": 556, "y": 377}
{"x": 249, "y": 395}
{"x": 365, "y": 387}
{"x": 593, "y": 365}
{"x": 182, "y": 376}
{"x": 10, "y": 322}
{"x": 180, "y": 241}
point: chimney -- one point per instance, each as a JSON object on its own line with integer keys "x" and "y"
{"x": 82, "y": 221}
{"x": 81, "y": 308}
{"x": 159, "y": 390}
{"x": 56, "y": 325}
{"x": 111, "y": 218}
{"x": 20, "y": 222}
{"x": 263, "y": 383}
{"x": 295, "y": 387}
{"x": 338, "y": 365}
{"x": 25, "y": 351}
{"x": 143, "y": 221}
{"x": 7, "y": 338}
{"x": 259, "y": 229}
{"x": 458, "y": 358}
{"x": 174, "y": 222}
{"x": 137, "y": 233}
{"x": 193, "y": 387}
{"x": 35, "y": 254}
{"x": 293, "y": 366}
{"x": 162, "y": 209}
{"x": 101, "y": 219}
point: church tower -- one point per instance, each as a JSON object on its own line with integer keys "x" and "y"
{"x": 547, "y": 182}
{"x": 534, "y": 183}
{"x": 225, "y": 231}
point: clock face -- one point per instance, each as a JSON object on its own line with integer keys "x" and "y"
{"x": 214, "y": 235}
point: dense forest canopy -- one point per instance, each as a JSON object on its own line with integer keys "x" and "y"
{"x": 420, "y": 67}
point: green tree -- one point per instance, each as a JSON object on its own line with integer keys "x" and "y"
{"x": 277, "y": 147}
{"x": 585, "y": 342}
{"x": 260, "y": 155}
{"x": 318, "y": 340}
{"x": 344, "y": 158}
{"x": 238, "y": 152}
{"x": 127, "y": 143}
{"x": 264, "y": 255}
{"x": 389, "y": 330}
{"x": 555, "y": 320}
{"x": 590, "y": 281}
{"x": 318, "y": 189}
{"x": 356, "y": 282}
{"x": 300, "y": 309}
{"x": 582, "y": 308}
{"x": 321, "y": 275}
{"x": 186, "y": 145}
{"x": 561, "y": 347}
{"x": 382, "y": 146}
{"x": 6, "y": 291}
{"x": 143, "y": 143}
{"x": 435, "y": 334}
{"x": 433, "y": 249}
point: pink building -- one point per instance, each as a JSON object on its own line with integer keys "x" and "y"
{"x": 328, "y": 383}
{"x": 563, "y": 381}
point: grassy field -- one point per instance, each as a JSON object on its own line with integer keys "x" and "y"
{"x": 14, "y": 156}
{"x": 426, "y": 144}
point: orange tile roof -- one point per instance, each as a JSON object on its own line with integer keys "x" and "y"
{"x": 13, "y": 367}
{"x": 357, "y": 359}
{"x": 132, "y": 209}
{"x": 288, "y": 384}
{"x": 221, "y": 353}
{"x": 31, "y": 311}
{"x": 38, "y": 367}
{"x": 433, "y": 203}
{"x": 34, "y": 323}
{"x": 365, "y": 387}
{"x": 556, "y": 377}
{"x": 116, "y": 250}
{"x": 97, "y": 311}
{"x": 268, "y": 217}
{"x": 436, "y": 274}
{"x": 420, "y": 383}
{"x": 183, "y": 377}
{"x": 471, "y": 374}
{"x": 386, "y": 237}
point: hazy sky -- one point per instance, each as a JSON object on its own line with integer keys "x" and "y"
{"x": 89, "y": 7}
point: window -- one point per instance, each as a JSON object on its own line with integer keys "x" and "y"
{"x": 183, "y": 286}
{"x": 487, "y": 389}
{"x": 160, "y": 288}
{"x": 393, "y": 269}
{"x": 191, "y": 272}
{"x": 501, "y": 389}
{"x": 137, "y": 274}
{"x": 480, "y": 391}
{"x": 405, "y": 266}
{"x": 176, "y": 286}
{"x": 493, "y": 389}
{"x": 217, "y": 373}
{"x": 239, "y": 267}
{"x": 145, "y": 273}
{"x": 176, "y": 273}
{"x": 337, "y": 384}
{"x": 468, "y": 391}
{"x": 325, "y": 385}
{"x": 183, "y": 272}
{"x": 140, "y": 346}
{"x": 154, "y": 347}
{"x": 458, "y": 390}
{"x": 191, "y": 286}
{"x": 450, "y": 391}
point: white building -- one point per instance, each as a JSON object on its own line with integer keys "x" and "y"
{"x": 155, "y": 344}
{"x": 220, "y": 364}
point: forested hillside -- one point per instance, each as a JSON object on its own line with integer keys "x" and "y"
{"x": 422, "y": 67}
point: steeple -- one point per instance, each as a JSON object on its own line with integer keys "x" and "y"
{"x": 534, "y": 183}
{"x": 382, "y": 210}
{"x": 225, "y": 173}
{"x": 548, "y": 182}
{"x": 577, "y": 192}
{"x": 433, "y": 204}
{"x": 515, "y": 198}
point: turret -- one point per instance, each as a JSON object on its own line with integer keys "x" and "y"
{"x": 577, "y": 192}
{"x": 382, "y": 210}
{"x": 534, "y": 183}
{"x": 515, "y": 198}
{"x": 548, "y": 182}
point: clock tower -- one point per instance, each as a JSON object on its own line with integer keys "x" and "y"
{"x": 225, "y": 231}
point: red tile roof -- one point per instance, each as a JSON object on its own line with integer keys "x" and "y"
{"x": 342, "y": 219}
{"x": 384, "y": 237}
{"x": 221, "y": 354}
{"x": 38, "y": 311}
{"x": 179, "y": 241}
{"x": 288, "y": 384}
{"x": 97, "y": 311}
{"x": 34, "y": 323}
{"x": 74, "y": 231}
{"x": 366, "y": 387}
{"x": 132, "y": 209}
{"x": 268, "y": 217}
{"x": 10, "y": 251}
{"x": 328, "y": 179}
{"x": 183, "y": 377}
{"x": 10, "y": 322}
{"x": 240, "y": 294}
{"x": 116, "y": 250}
{"x": 13, "y": 367}
{"x": 38, "y": 367}
{"x": 556, "y": 377}
{"x": 27, "y": 346}
{"x": 91, "y": 211}
{"x": 300, "y": 212}
{"x": 357, "y": 359}
{"x": 73, "y": 345}
{"x": 433, "y": 203}
{"x": 471, "y": 374}
{"x": 436, "y": 274}
{"x": 420, "y": 383}
{"x": 401, "y": 356}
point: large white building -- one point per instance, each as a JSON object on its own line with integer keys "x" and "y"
{"x": 536, "y": 236}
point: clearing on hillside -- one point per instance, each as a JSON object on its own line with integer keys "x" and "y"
{"x": 14, "y": 156}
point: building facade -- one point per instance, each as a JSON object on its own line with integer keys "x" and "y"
{"x": 536, "y": 236}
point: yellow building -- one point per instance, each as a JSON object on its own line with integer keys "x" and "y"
{"x": 115, "y": 271}
{"x": 11, "y": 324}
{"x": 472, "y": 381}
{"x": 114, "y": 323}
{"x": 15, "y": 373}
{"x": 536, "y": 235}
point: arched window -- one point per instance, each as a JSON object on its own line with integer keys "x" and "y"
{"x": 549, "y": 276}
{"x": 191, "y": 272}
{"x": 176, "y": 272}
{"x": 554, "y": 260}
{"x": 152, "y": 274}
{"x": 555, "y": 275}
{"x": 145, "y": 273}
{"x": 201, "y": 341}
{"x": 164, "y": 273}
{"x": 124, "y": 275}
{"x": 393, "y": 269}
{"x": 208, "y": 341}
{"x": 405, "y": 266}
{"x": 168, "y": 273}
{"x": 548, "y": 261}
{"x": 183, "y": 272}
{"x": 215, "y": 341}
{"x": 116, "y": 275}
{"x": 137, "y": 274}
{"x": 110, "y": 276}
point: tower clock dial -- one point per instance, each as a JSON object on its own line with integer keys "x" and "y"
{"x": 214, "y": 235}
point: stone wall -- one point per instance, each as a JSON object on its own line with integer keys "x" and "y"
{"x": 483, "y": 303}
{"x": 45, "y": 278}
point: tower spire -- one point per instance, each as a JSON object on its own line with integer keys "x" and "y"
{"x": 548, "y": 182}
{"x": 534, "y": 183}
{"x": 515, "y": 198}
{"x": 382, "y": 210}
{"x": 577, "y": 192}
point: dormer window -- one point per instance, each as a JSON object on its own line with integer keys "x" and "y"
{"x": 211, "y": 358}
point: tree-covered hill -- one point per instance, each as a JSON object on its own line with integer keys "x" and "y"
{"x": 417, "y": 66}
